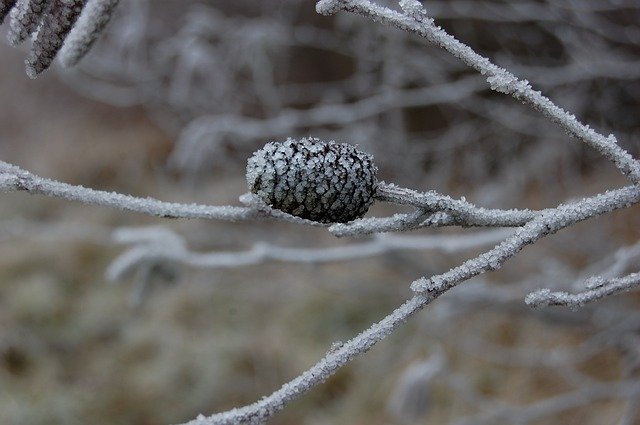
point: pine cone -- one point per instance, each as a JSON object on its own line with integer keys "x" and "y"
{"x": 321, "y": 181}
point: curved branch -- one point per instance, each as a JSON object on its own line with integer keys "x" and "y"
{"x": 415, "y": 21}
{"x": 153, "y": 244}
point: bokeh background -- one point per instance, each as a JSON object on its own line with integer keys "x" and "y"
{"x": 171, "y": 102}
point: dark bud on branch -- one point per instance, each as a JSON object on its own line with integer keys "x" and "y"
{"x": 321, "y": 181}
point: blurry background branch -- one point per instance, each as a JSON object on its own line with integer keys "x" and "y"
{"x": 597, "y": 288}
{"x": 70, "y": 27}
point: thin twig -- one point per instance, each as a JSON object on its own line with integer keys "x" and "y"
{"x": 13, "y": 178}
{"x": 499, "y": 78}
{"x": 543, "y": 225}
{"x": 604, "y": 288}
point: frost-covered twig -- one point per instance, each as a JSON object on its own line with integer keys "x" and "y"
{"x": 545, "y": 224}
{"x": 153, "y": 244}
{"x": 598, "y": 288}
{"x": 94, "y": 18}
{"x": 428, "y": 290}
{"x": 367, "y": 226}
{"x": 13, "y": 178}
{"x": 553, "y": 405}
{"x": 50, "y": 22}
{"x": 462, "y": 212}
{"x": 433, "y": 209}
{"x": 415, "y": 20}
{"x": 260, "y": 411}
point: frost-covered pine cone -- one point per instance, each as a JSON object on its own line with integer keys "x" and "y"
{"x": 327, "y": 182}
{"x": 54, "y": 24}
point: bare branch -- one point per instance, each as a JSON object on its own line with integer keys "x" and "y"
{"x": 417, "y": 22}
{"x": 260, "y": 411}
{"x": 94, "y": 18}
{"x": 159, "y": 244}
{"x": 428, "y": 289}
{"x": 543, "y": 225}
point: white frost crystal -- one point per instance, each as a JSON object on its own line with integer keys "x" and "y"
{"x": 327, "y": 182}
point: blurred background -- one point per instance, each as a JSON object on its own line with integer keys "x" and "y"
{"x": 109, "y": 317}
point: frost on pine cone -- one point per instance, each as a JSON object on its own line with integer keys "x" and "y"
{"x": 321, "y": 181}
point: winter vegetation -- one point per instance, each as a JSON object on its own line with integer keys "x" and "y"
{"x": 365, "y": 121}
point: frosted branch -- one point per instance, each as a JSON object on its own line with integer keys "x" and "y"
{"x": 158, "y": 244}
{"x": 598, "y": 288}
{"x": 545, "y": 224}
{"x": 94, "y": 18}
{"x": 13, "y": 178}
{"x": 433, "y": 210}
{"x": 366, "y": 226}
{"x": 542, "y": 225}
{"x": 339, "y": 356}
{"x": 52, "y": 25}
{"x": 462, "y": 213}
{"x": 415, "y": 21}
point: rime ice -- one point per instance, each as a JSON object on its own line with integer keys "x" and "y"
{"x": 321, "y": 181}
{"x": 52, "y": 26}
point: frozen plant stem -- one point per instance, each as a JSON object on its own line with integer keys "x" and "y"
{"x": 461, "y": 212}
{"x": 262, "y": 410}
{"x": 13, "y": 178}
{"x": 415, "y": 21}
{"x": 427, "y": 290}
{"x": 94, "y": 18}
{"x": 545, "y": 298}
{"x": 543, "y": 225}
{"x": 153, "y": 245}
{"x": 68, "y": 27}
